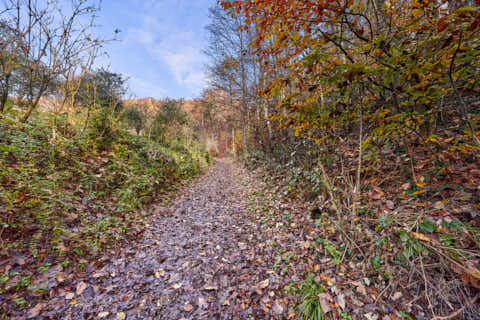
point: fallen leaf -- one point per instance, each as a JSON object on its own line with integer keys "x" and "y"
{"x": 177, "y": 286}
{"x": 202, "y": 303}
{"x": 264, "y": 284}
{"x": 121, "y": 316}
{"x": 325, "y": 299}
{"x": 81, "y": 287}
{"x": 278, "y": 307}
{"x": 161, "y": 272}
{"x": 210, "y": 288}
{"x": 421, "y": 236}
{"x": 397, "y": 295}
{"x": 188, "y": 308}
{"x": 341, "y": 301}
{"x": 439, "y": 205}
{"x": 390, "y": 204}
{"x": 34, "y": 312}
{"x": 371, "y": 316}
{"x": 69, "y": 296}
{"x": 102, "y": 315}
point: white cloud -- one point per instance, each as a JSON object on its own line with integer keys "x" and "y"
{"x": 145, "y": 88}
{"x": 180, "y": 51}
{"x": 196, "y": 79}
{"x": 185, "y": 64}
{"x": 168, "y": 39}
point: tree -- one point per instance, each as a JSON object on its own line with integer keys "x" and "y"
{"x": 102, "y": 92}
{"x": 134, "y": 119}
{"x": 168, "y": 121}
{"x": 392, "y": 54}
{"x": 231, "y": 62}
{"x": 8, "y": 59}
{"x": 48, "y": 38}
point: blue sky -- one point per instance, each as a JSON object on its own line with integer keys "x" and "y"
{"x": 161, "y": 45}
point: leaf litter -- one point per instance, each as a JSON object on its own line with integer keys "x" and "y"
{"x": 203, "y": 257}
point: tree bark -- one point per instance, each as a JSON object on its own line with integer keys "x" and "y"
{"x": 4, "y": 97}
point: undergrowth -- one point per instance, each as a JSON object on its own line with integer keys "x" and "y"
{"x": 418, "y": 240}
{"x": 64, "y": 202}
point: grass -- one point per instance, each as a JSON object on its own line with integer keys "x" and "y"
{"x": 310, "y": 308}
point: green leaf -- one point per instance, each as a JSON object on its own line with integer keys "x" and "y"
{"x": 427, "y": 226}
{"x": 404, "y": 236}
{"x": 376, "y": 262}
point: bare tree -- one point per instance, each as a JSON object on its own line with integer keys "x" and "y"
{"x": 8, "y": 53}
{"x": 231, "y": 62}
{"x": 50, "y": 36}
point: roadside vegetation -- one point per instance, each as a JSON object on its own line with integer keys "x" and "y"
{"x": 80, "y": 168}
{"x": 365, "y": 115}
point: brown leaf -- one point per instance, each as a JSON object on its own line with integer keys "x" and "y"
{"x": 390, "y": 204}
{"x": 264, "y": 284}
{"x": 360, "y": 287}
{"x": 34, "y": 312}
{"x": 81, "y": 287}
{"x": 202, "y": 303}
{"x": 161, "y": 272}
{"x": 325, "y": 299}
{"x": 188, "y": 308}
{"x": 397, "y": 295}
{"x": 278, "y": 307}
{"x": 341, "y": 301}
{"x": 439, "y": 205}
{"x": 210, "y": 287}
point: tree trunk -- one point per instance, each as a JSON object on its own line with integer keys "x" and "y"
{"x": 4, "y": 97}
{"x": 31, "y": 106}
{"x": 244, "y": 93}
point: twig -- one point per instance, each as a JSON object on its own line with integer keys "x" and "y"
{"x": 426, "y": 289}
{"x": 359, "y": 167}
{"x": 410, "y": 155}
{"x": 337, "y": 208}
{"x": 384, "y": 290}
{"x": 459, "y": 311}
{"x": 463, "y": 105}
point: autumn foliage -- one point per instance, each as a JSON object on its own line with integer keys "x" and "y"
{"x": 388, "y": 91}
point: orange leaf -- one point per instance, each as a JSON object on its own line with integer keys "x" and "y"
{"x": 417, "y": 13}
{"x": 421, "y": 236}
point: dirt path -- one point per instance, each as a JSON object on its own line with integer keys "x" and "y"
{"x": 199, "y": 259}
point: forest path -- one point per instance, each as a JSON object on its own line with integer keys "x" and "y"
{"x": 201, "y": 258}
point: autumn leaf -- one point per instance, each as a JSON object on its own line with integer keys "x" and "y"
{"x": 417, "y": 13}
